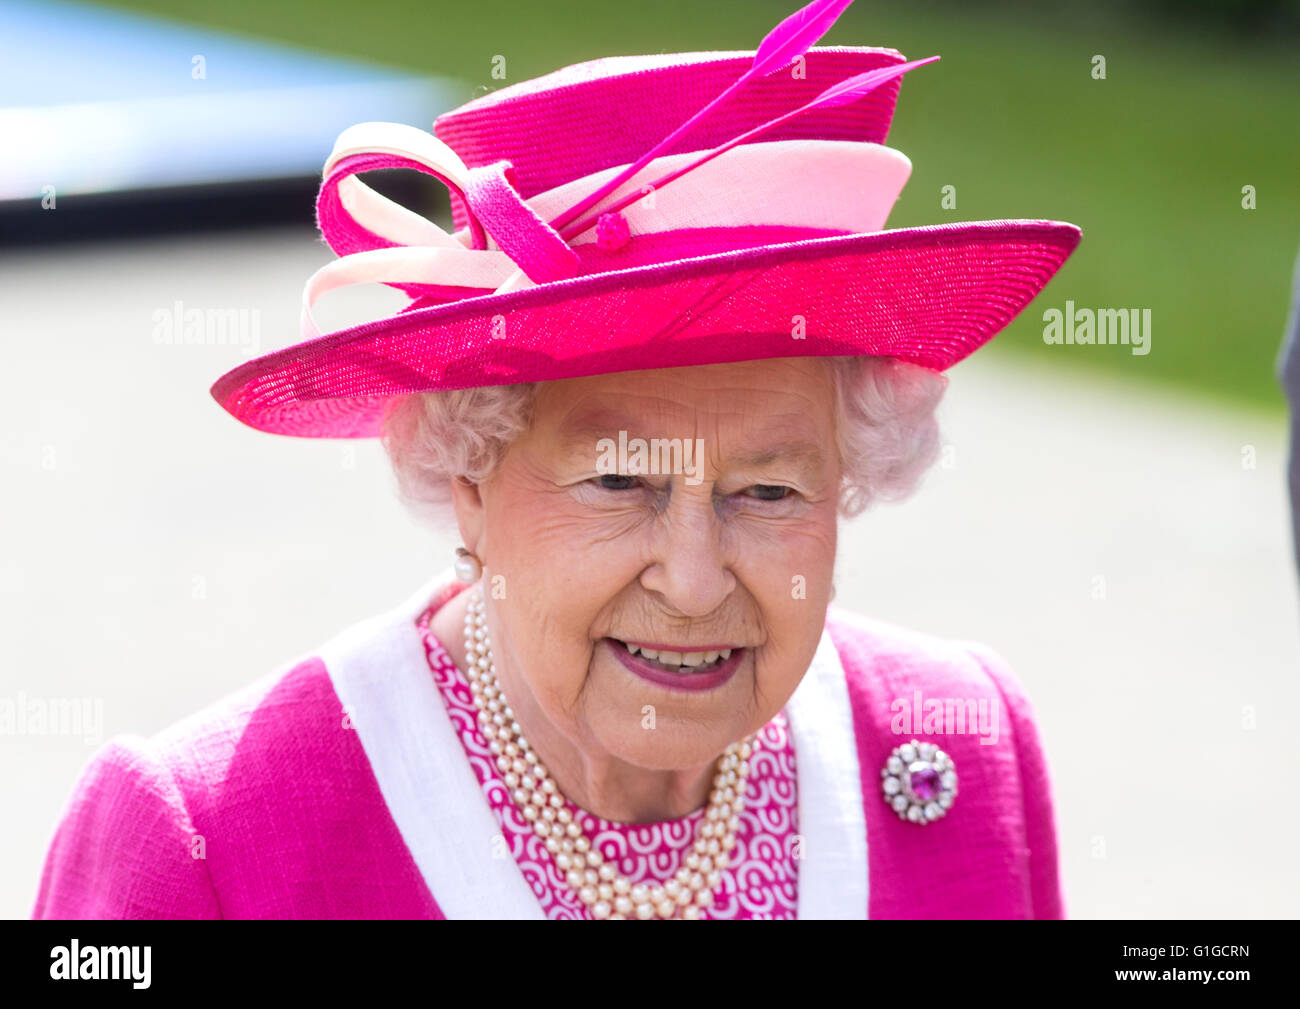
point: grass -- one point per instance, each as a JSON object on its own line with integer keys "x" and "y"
{"x": 1150, "y": 162}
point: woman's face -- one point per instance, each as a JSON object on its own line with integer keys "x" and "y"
{"x": 586, "y": 552}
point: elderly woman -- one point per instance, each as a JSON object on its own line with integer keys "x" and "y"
{"x": 647, "y": 377}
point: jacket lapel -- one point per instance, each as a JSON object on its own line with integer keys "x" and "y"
{"x": 833, "y": 865}
{"x": 381, "y": 675}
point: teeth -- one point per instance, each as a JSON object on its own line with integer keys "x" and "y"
{"x": 680, "y": 659}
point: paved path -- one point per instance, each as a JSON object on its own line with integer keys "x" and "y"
{"x": 154, "y": 555}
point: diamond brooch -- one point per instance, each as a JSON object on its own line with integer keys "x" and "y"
{"x": 919, "y": 782}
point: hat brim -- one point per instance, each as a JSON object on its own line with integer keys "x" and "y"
{"x": 929, "y": 295}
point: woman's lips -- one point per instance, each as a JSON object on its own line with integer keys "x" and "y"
{"x": 706, "y": 677}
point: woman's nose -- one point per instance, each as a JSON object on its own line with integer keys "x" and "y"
{"x": 690, "y": 569}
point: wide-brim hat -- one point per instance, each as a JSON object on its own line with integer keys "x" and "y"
{"x": 756, "y": 231}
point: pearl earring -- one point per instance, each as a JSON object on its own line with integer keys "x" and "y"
{"x": 468, "y": 567}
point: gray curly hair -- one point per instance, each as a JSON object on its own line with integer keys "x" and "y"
{"x": 886, "y": 430}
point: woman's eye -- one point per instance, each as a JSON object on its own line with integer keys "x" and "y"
{"x": 615, "y": 481}
{"x": 769, "y": 491}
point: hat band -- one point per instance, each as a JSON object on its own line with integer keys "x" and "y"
{"x": 758, "y": 185}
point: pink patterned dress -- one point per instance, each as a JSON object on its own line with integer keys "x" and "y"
{"x": 762, "y": 880}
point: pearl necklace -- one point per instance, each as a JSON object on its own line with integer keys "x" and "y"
{"x": 603, "y": 890}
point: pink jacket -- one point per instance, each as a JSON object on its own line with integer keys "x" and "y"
{"x": 320, "y": 792}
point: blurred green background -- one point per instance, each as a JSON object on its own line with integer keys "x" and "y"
{"x": 1199, "y": 100}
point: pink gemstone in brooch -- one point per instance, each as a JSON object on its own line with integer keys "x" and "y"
{"x": 919, "y": 782}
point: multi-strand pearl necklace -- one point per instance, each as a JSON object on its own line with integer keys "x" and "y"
{"x": 604, "y": 891}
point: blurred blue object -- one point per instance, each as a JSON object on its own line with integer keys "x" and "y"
{"x": 96, "y": 101}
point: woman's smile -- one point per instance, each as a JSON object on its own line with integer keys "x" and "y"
{"x": 698, "y": 669}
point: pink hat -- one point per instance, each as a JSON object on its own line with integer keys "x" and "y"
{"x": 589, "y": 243}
